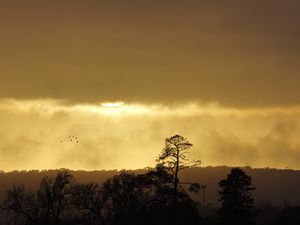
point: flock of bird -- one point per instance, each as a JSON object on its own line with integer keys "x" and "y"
{"x": 72, "y": 138}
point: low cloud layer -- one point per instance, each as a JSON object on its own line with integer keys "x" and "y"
{"x": 47, "y": 133}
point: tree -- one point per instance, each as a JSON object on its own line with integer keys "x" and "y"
{"x": 88, "y": 201}
{"x": 46, "y": 206}
{"x": 21, "y": 204}
{"x": 236, "y": 198}
{"x": 146, "y": 199}
{"x": 196, "y": 188}
{"x": 53, "y": 196}
{"x": 174, "y": 158}
{"x": 126, "y": 199}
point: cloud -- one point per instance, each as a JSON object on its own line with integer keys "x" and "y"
{"x": 49, "y": 133}
{"x": 238, "y": 53}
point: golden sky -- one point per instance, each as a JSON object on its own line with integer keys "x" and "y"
{"x": 46, "y": 133}
{"x": 225, "y": 74}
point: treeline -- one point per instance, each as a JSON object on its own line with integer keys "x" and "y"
{"x": 124, "y": 199}
{"x": 130, "y": 199}
{"x": 155, "y": 197}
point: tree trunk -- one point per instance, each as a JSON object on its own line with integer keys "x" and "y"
{"x": 176, "y": 178}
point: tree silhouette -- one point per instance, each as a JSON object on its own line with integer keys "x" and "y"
{"x": 126, "y": 199}
{"x": 196, "y": 188}
{"x": 46, "y": 206}
{"x": 159, "y": 205}
{"x": 174, "y": 158}
{"x": 153, "y": 198}
{"x": 290, "y": 215}
{"x": 53, "y": 195}
{"x": 88, "y": 202}
{"x": 21, "y": 205}
{"x": 236, "y": 198}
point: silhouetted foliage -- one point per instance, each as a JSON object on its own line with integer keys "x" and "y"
{"x": 266, "y": 213}
{"x": 46, "y": 206}
{"x": 133, "y": 199}
{"x": 21, "y": 205}
{"x": 236, "y": 198}
{"x": 174, "y": 158}
{"x": 126, "y": 199}
{"x": 290, "y": 215}
{"x": 154, "y": 197}
{"x": 53, "y": 196}
{"x": 195, "y": 188}
{"x": 88, "y": 203}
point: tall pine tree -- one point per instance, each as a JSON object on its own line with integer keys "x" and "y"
{"x": 236, "y": 198}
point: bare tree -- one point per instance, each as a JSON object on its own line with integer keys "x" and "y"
{"x": 88, "y": 200}
{"x": 22, "y": 204}
{"x": 53, "y": 195}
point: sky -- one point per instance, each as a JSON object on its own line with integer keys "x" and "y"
{"x": 224, "y": 74}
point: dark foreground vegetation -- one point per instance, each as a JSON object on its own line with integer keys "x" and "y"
{"x": 155, "y": 197}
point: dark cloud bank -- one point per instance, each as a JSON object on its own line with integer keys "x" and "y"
{"x": 239, "y": 53}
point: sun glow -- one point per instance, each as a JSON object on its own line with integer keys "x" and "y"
{"x": 112, "y": 104}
